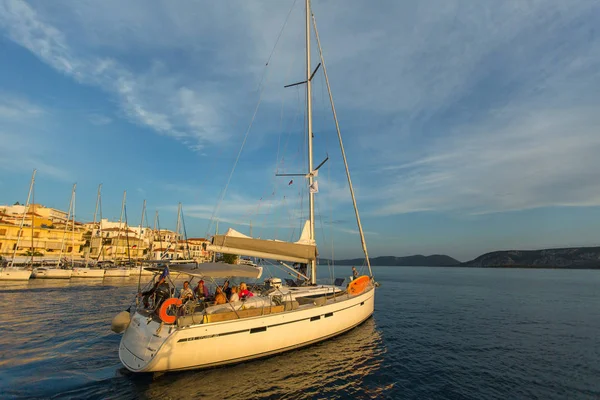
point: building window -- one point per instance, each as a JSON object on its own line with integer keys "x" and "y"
{"x": 2, "y": 232}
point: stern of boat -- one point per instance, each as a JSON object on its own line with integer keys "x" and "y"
{"x": 141, "y": 342}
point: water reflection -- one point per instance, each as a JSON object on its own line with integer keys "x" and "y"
{"x": 329, "y": 369}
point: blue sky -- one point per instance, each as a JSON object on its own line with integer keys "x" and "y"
{"x": 469, "y": 126}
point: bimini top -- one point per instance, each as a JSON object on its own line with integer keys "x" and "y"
{"x": 217, "y": 270}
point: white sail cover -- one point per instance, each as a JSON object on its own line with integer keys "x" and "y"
{"x": 234, "y": 242}
{"x": 218, "y": 270}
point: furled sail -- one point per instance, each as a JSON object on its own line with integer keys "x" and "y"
{"x": 234, "y": 242}
{"x": 217, "y": 270}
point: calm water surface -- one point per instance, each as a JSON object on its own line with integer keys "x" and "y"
{"x": 436, "y": 333}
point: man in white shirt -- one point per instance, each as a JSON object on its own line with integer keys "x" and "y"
{"x": 186, "y": 293}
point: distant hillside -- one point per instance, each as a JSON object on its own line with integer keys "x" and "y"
{"x": 436, "y": 260}
{"x": 574, "y": 257}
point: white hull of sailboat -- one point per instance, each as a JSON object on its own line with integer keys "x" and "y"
{"x": 137, "y": 272}
{"x": 146, "y": 347}
{"x": 95, "y": 273}
{"x": 14, "y": 274}
{"x": 52, "y": 273}
{"x": 117, "y": 273}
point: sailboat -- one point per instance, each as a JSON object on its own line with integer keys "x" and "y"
{"x": 116, "y": 270}
{"x": 162, "y": 334}
{"x": 61, "y": 271}
{"x": 10, "y": 272}
{"x": 86, "y": 271}
{"x": 137, "y": 269}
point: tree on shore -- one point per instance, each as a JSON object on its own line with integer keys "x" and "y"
{"x": 228, "y": 258}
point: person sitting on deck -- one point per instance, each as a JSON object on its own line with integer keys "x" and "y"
{"x": 161, "y": 282}
{"x": 227, "y": 289}
{"x": 201, "y": 290}
{"x": 186, "y": 292}
{"x": 234, "y": 295}
{"x": 220, "y": 296}
{"x": 244, "y": 292}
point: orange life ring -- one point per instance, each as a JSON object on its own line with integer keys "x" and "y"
{"x": 358, "y": 285}
{"x": 162, "y": 312}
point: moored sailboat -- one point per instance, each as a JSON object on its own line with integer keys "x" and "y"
{"x": 165, "y": 334}
{"x": 61, "y": 271}
{"x": 10, "y": 272}
{"x": 87, "y": 271}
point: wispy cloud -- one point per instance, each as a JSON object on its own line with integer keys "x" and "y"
{"x": 98, "y": 119}
{"x": 24, "y": 145}
{"x": 151, "y": 96}
{"x": 13, "y": 108}
{"x": 540, "y": 159}
{"x": 355, "y": 231}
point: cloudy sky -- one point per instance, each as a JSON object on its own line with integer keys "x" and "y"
{"x": 470, "y": 126}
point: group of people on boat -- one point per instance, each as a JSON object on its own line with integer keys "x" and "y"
{"x": 224, "y": 293}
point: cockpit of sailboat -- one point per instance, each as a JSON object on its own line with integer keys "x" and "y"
{"x": 267, "y": 297}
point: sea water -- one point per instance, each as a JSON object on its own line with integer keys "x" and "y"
{"x": 437, "y": 333}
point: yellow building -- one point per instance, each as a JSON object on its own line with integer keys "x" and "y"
{"x": 196, "y": 248}
{"x": 115, "y": 244}
{"x": 40, "y": 214}
{"x": 42, "y": 241}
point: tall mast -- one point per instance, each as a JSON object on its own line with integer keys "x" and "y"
{"x": 177, "y": 229}
{"x": 73, "y": 228}
{"x": 120, "y": 222}
{"x": 101, "y": 252}
{"x": 32, "y": 209}
{"x": 311, "y": 196}
{"x": 87, "y": 257}
{"x": 157, "y": 225}
{"x": 139, "y": 245}
{"x": 12, "y": 261}
{"x": 62, "y": 245}
{"x": 140, "y": 234}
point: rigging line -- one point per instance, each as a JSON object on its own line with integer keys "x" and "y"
{"x": 331, "y": 224}
{"x": 281, "y": 32}
{"x": 224, "y": 193}
{"x": 281, "y": 115}
{"x": 140, "y": 245}
{"x": 339, "y": 134}
{"x": 32, "y": 223}
{"x": 160, "y": 254}
{"x": 187, "y": 245}
{"x": 127, "y": 234}
{"x": 303, "y": 150}
{"x": 259, "y": 85}
{"x": 62, "y": 246}
{"x": 260, "y": 88}
{"x": 101, "y": 249}
{"x": 279, "y": 150}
